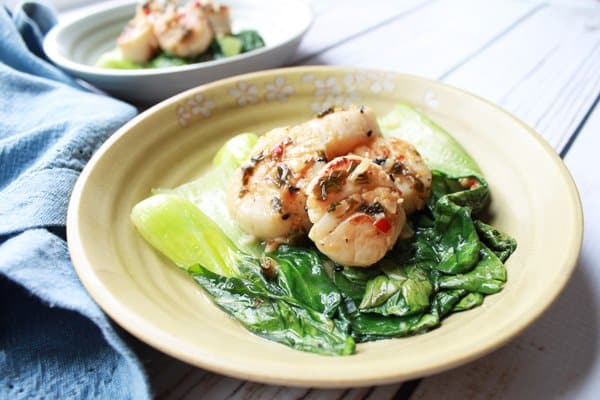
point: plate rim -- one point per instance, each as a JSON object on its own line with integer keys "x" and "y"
{"x": 135, "y": 325}
{"x": 51, "y": 47}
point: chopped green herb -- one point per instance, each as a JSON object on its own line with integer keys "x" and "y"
{"x": 331, "y": 183}
{"x": 362, "y": 179}
{"x": 277, "y": 205}
{"x": 373, "y": 209}
{"x": 283, "y": 174}
{"x": 325, "y": 112}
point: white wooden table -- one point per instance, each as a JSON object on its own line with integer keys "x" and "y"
{"x": 540, "y": 61}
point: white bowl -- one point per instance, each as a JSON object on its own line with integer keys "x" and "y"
{"x": 76, "y": 45}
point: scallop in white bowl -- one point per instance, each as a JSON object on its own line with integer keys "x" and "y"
{"x": 76, "y": 45}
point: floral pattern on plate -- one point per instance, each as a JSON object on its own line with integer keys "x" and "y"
{"x": 245, "y": 93}
{"x": 323, "y": 91}
{"x": 278, "y": 90}
{"x": 198, "y": 106}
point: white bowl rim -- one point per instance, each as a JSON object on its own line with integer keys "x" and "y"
{"x": 51, "y": 46}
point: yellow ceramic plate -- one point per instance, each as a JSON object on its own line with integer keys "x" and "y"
{"x": 534, "y": 199}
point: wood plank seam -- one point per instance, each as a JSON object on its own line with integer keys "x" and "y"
{"x": 493, "y": 40}
{"x": 343, "y": 394}
{"x": 305, "y": 394}
{"x": 565, "y": 86}
{"x": 529, "y": 74}
{"x": 238, "y": 388}
{"x": 380, "y": 24}
{"x": 563, "y": 153}
{"x": 368, "y": 392}
{"x": 407, "y": 389}
{"x": 564, "y": 139}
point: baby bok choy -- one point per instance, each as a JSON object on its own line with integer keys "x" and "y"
{"x": 297, "y": 296}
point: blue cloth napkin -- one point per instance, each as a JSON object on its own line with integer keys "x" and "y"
{"x": 54, "y": 340}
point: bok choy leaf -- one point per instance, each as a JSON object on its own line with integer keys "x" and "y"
{"x": 209, "y": 192}
{"x": 302, "y": 276}
{"x": 178, "y": 229}
{"x": 269, "y": 315}
{"x": 401, "y": 291}
{"x": 487, "y": 277}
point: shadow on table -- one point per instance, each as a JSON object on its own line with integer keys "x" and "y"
{"x": 171, "y": 379}
{"x": 550, "y": 360}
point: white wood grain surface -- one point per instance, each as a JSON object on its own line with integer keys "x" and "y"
{"x": 333, "y": 27}
{"x": 429, "y": 40}
{"x": 546, "y": 70}
{"x": 539, "y": 60}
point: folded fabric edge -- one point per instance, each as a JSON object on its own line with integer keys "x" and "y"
{"x": 54, "y": 281}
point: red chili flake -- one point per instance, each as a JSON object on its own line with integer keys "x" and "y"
{"x": 382, "y": 225}
{"x": 472, "y": 183}
{"x": 278, "y": 150}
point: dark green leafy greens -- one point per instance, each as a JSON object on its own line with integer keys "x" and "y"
{"x": 444, "y": 267}
{"x": 404, "y": 290}
{"x": 250, "y": 39}
{"x": 501, "y": 244}
{"x": 270, "y": 311}
{"x": 301, "y": 274}
{"x": 297, "y": 297}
